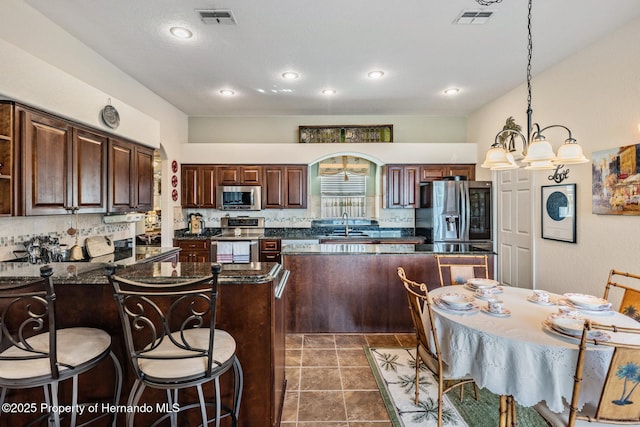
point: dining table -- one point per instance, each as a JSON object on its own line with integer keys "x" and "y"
{"x": 517, "y": 354}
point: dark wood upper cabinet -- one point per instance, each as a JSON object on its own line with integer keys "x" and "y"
{"x": 285, "y": 186}
{"x": 402, "y": 185}
{"x": 198, "y": 186}
{"x": 130, "y": 177}
{"x": 64, "y": 167}
{"x": 435, "y": 172}
{"x": 239, "y": 175}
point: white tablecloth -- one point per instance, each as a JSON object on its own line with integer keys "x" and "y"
{"x": 516, "y": 355}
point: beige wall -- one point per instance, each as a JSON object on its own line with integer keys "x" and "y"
{"x": 595, "y": 93}
{"x": 44, "y": 66}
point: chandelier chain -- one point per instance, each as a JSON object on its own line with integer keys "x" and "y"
{"x": 529, "y": 55}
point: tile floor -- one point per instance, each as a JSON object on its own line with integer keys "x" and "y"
{"x": 329, "y": 381}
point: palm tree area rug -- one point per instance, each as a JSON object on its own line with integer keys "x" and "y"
{"x": 394, "y": 371}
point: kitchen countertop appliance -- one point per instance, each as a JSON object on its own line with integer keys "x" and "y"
{"x": 239, "y": 241}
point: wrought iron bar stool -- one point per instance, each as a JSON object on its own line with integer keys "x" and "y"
{"x": 169, "y": 328}
{"x": 34, "y": 353}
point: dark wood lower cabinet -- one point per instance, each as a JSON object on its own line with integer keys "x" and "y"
{"x": 356, "y": 293}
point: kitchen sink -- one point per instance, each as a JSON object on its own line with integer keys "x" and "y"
{"x": 342, "y": 233}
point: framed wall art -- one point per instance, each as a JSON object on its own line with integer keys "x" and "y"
{"x": 616, "y": 181}
{"x": 559, "y": 212}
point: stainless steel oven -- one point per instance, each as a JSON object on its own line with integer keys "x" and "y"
{"x": 239, "y": 242}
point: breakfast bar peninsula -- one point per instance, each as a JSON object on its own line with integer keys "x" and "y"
{"x": 250, "y": 308}
{"x": 354, "y": 288}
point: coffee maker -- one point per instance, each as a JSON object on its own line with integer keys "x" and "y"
{"x": 196, "y": 223}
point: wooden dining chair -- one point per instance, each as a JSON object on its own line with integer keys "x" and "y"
{"x": 172, "y": 342}
{"x": 630, "y": 298}
{"x": 619, "y": 402}
{"x": 457, "y": 269}
{"x": 428, "y": 347}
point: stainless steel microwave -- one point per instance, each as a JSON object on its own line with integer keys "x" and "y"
{"x": 239, "y": 197}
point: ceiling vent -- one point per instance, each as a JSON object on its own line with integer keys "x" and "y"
{"x": 475, "y": 17}
{"x": 217, "y": 16}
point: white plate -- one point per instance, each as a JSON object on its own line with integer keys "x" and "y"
{"x": 473, "y": 308}
{"x": 589, "y": 302}
{"x": 604, "y": 311}
{"x": 535, "y": 301}
{"x": 598, "y": 336}
{"x": 569, "y": 325}
{"x": 482, "y": 283}
{"x": 456, "y": 301}
{"x": 505, "y": 313}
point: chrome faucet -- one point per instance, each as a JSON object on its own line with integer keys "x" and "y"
{"x": 345, "y": 221}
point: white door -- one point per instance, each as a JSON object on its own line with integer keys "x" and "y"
{"x": 515, "y": 232}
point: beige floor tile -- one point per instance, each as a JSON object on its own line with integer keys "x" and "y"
{"x": 319, "y": 341}
{"x": 352, "y": 358}
{"x": 293, "y": 341}
{"x": 350, "y": 341}
{"x": 320, "y": 379}
{"x": 290, "y": 407}
{"x": 407, "y": 340}
{"x": 324, "y": 424}
{"x": 315, "y": 357}
{"x": 365, "y": 406}
{"x": 293, "y": 378}
{"x": 292, "y": 357}
{"x": 358, "y": 378}
{"x": 321, "y": 406}
{"x": 381, "y": 340}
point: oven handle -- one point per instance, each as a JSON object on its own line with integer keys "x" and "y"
{"x": 282, "y": 284}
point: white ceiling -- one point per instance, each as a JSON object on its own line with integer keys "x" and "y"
{"x": 334, "y": 43}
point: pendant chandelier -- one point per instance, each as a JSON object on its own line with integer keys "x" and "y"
{"x": 538, "y": 153}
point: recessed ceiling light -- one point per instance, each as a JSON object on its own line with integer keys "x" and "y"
{"x": 227, "y": 92}
{"x": 290, "y": 75}
{"x": 181, "y": 32}
{"x": 329, "y": 92}
{"x": 451, "y": 91}
{"x": 375, "y": 74}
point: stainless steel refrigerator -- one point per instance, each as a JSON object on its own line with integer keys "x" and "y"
{"x": 455, "y": 211}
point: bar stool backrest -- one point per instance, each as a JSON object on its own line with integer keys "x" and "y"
{"x": 160, "y": 313}
{"x": 27, "y": 309}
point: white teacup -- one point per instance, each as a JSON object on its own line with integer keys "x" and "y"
{"x": 568, "y": 311}
{"x": 541, "y": 296}
{"x": 483, "y": 292}
{"x": 496, "y": 306}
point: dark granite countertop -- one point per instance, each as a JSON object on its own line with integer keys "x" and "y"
{"x": 142, "y": 263}
{"x": 376, "y": 249}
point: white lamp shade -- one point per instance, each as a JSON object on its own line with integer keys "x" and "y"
{"x": 540, "y": 166}
{"x": 539, "y": 151}
{"x": 496, "y": 157}
{"x": 511, "y": 165}
{"x": 570, "y": 154}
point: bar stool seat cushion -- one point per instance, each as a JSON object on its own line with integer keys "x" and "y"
{"x": 180, "y": 369}
{"x": 76, "y": 346}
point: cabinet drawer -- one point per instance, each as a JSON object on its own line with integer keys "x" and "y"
{"x": 193, "y": 244}
{"x": 270, "y": 245}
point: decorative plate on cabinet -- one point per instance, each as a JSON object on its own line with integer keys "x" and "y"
{"x": 110, "y": 116}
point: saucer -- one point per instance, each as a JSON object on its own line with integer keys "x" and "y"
{"x": 505, "y": 313}
{"x": 535, "y": 301}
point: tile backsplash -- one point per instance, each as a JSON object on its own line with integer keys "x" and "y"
{"x": 14, "y": 231}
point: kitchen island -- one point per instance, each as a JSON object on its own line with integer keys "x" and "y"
{"x": 354, "y": 288}
{"x": 249, "y": 308}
